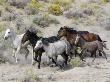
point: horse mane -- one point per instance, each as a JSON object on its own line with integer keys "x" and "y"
{"x": 51, "y": 39}
{"x": 71, "y": 30}
{"x": 82, "y": 32}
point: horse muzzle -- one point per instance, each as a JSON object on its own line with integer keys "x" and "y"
{"x": 5, "y": 38}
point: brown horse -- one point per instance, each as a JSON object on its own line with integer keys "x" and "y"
{"x": 71, "y": 35}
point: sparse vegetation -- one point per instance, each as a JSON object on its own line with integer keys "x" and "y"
{"x": 2, "y": 60}
{"x": 44, "y": 21}
{"x": 3, "y": 2}
{"x": 31, "y": 76}
{"x": 63, "y": 2}
{"x": 76, "y": 62}
{"x": 55, "y": 9}
{"x": 18, "y": 3}
{"x": 35, "y": 5}
{"x": 9, "y": 17}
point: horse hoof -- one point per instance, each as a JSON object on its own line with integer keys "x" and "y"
{"x": 38, "y": 67}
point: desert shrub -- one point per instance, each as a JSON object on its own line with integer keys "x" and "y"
{"x": 1, "y": 28}
{"x": 76, "y": 62}
{"x": 63, "y": 2}
{"x": 9, "y": 16}
{"x": 30, "y": 76}
{"x": 104, "y": 1}
{"x": 30, "y": 11}
{"x": 35, "y": 5}
{"x": 2, "y": 60}
{"x": 0, "y": 13}
{"x": 2, "y": 2}
{"x": 19, "y": 24}
{"x": 79, "y": 13}
{"x": 18, "y": 3}
{"x": 75, "y": 13}
{"x": 44, "y": 21}
{"x": 92, "y": 6}
{"x": 55, "y": 9}
{"x": 105, "y": 23}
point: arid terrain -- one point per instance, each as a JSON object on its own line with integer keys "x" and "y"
{"x": 47, "y": 16}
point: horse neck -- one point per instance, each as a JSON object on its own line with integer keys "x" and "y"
{"x": 46, "y": 47}
{"x": 33, "y": 40}
{"x": 13, "y": 36}
{"x": 71, "y": 38}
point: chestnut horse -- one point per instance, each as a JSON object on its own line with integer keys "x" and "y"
{"x": 72, "y": 34}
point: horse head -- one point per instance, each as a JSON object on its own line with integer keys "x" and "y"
{"x": 8, "y": 33}
{"x": 62, "y": 32}
{"x": 25, "y": 36}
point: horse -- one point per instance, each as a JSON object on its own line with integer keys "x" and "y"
{"x": 71, "y": 36}
{"x": 16, "y": 42}
{"x": 32, "y": 37}
{"x": 52, "y": 50}
{"x": 91, "y": 47}
{"x": 70, "y": 33}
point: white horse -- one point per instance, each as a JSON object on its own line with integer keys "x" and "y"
{"x": 16, "y": 42}
{"x": 52, "y": 50}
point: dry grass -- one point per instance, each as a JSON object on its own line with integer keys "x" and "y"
{"x": 76, "y": 62}
{"x": 30, "y": 76}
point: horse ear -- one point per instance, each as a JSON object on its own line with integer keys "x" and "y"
{"x": 61, "y": 28}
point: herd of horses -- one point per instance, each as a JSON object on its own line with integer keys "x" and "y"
{"x": 67, "y": 43}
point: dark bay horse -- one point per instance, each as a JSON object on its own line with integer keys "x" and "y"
{"x": 71, "y": 35}
{"x": 32, "y": 37}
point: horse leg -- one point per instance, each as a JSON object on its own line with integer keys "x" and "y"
{"x": 81, "y": 55}
{"x": 18, "y": 49}
{"x": 100, "y": 54}
{"x": 104, "y": 54}
{"x": 65, "y": 57}
{"x": 27, "y": 53}
{"x": 14, "y": 50}
{"x": 94, "y": 55}
{"x": 32, "y": 56}
{"x": 36, "y": 56}
{"x": 39, "y": 60}
{"x": 54, "y": 61}
{"x": 75, "y": 52}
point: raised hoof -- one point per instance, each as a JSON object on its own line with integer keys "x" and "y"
{"x": 38, "y": 67}
{"x": 17, "y": 60}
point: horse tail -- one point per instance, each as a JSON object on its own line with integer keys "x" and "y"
{"x": 98, "y": 38}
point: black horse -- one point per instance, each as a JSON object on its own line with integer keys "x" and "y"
{"x": 33, "y": 38}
